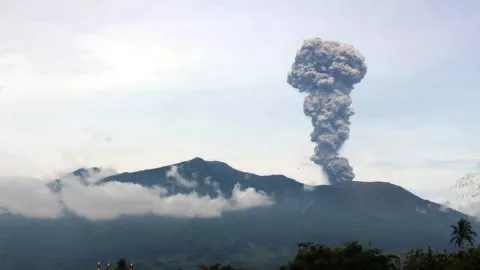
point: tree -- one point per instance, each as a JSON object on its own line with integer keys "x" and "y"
{"x": 122, "y": 264}
{"x": 352, "y": 256}
{"x": 462, "y": 233}
{"x": 430, "y": 260}
{"x": 216, "y": 267}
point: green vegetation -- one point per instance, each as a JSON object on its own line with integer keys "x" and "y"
{"x": 311, "y": 256}
{"x": 352, "y": 256}
{"x": 462, "y": 233}
{"x": 429, "y": 259}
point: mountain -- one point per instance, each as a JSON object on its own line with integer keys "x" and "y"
{"x": 207, "y": 172}
{"x": 386, "y": 215}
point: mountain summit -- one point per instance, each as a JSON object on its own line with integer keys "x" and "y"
{"x": 204, "y": 176}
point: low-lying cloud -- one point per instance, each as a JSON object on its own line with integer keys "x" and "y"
{"x": 444, "y": 208}
{"x": 87, "y": 197}
{"x": 177, "y": 179}
{"x": 308, "y": 187}
{"x": 28, "y": 196}
{"x": 420, "y": 210}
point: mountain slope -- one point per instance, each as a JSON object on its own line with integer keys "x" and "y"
{"x": 380, "y": 199}
{"x": 258, "y": 238}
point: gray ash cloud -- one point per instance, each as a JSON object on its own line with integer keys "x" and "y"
{"x": 327, "y": 72}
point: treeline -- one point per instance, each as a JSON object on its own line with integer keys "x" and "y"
{"x": 354, "y": 256}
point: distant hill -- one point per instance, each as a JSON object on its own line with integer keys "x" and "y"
{"x": 386, "y": 215}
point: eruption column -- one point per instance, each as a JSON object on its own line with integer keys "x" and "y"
{"x": 327, "y": 71}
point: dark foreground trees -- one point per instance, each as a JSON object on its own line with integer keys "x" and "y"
{"x": 434, "y": 260}
{"x": 122, "y": 264}
{"x": 355, "y": 257}
{"x": 352, "y": 256}
{"x": 217, "y": 267}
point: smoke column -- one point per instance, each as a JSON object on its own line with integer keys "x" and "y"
{"x": 327, "y": 71}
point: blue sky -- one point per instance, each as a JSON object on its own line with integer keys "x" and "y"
{"x": 141, "y": 84}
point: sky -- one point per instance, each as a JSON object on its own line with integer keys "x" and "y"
{"x": 133, "y": 85}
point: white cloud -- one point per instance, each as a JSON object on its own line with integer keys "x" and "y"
{"x": 420, "y": 210}
{"x": 248, "y": 198}
{"x": 79, "y": 49}
{"x": 114, "y": 62}
{"x": 174, "y": 175}
{"x": 444, "y": 208}
{"x": 469, "y": 206}
{"x": 208, "y": 181}
{"x": 31, "y": 197}
{"x": 91, "y": 46}
{"x": 428, "y": 157}
{"x": 28, "y": 196}
{"x": 308, "y": 187}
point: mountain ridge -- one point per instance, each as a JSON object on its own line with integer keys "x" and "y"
{"x": 375, "y": 198}
{"x": 218, "y": 164}
{"x": 222, "y": 166}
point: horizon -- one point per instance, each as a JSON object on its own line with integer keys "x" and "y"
{"x": 140, "y": 85}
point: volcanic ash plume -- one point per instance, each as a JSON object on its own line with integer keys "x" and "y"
{"x": 327, "y": 71}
